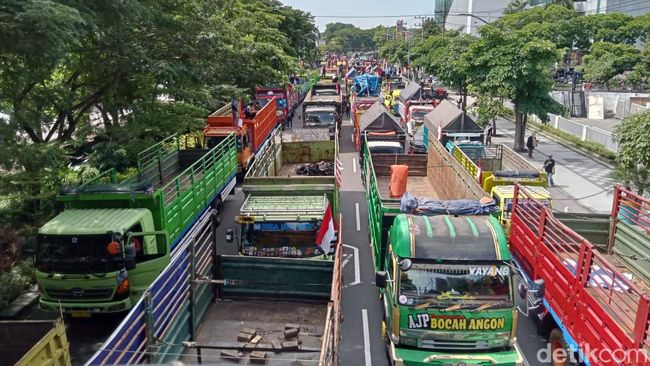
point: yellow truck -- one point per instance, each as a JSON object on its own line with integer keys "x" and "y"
{"x": 34, "y": 342}
{"x": 496, "y": 168}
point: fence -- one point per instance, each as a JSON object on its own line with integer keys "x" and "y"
{"x": 636, "y": 108}
{"x": 584, "y": 132}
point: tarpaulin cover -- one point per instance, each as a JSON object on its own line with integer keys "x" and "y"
{"x": 429, "y": 207}
{"x": 352, "y": 73}
{"x": 398, "y": 178}
{"x": 367, "y": 85}
{"x": 516, "y": 173}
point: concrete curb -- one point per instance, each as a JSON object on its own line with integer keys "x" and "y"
{"x": 20, "y": 305}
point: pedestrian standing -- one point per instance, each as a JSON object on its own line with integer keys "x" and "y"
{"x": 489, "y": 131}
{"x": 234, "y": 106}
{"x": 549, "y": 168}
{"x": 531, "y": 144}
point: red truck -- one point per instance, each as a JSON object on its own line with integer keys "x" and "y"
{"x": 287, "y": 99}
{"x": 251, "y": 134}
{"x": 585, "y": 278}
{"x": 359, "y": 106}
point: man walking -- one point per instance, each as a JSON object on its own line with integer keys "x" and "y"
{"x": 549, "y": 168}
{"x": 531, "y": 143}
{"x": 488, "y": 134}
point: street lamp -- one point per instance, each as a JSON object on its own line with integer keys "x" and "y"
{"x": 475, "y": 17}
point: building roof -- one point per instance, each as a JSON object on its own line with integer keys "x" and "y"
{"x": 377, "y": 118}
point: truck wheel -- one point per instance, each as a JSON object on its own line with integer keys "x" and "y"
{"x": 561, "y": 355}
{"x": 218, "y": 205}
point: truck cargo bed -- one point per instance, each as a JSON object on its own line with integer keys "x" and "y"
{"x": 418, "y": 186}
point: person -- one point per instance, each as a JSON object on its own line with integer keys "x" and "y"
{"x": 234, "y": 106}
{"x": 549, "y": 168}
{"x": 489, "y": 131}
{"x": 339, "y": 122}
{"x": 531, "y": 143}
{"x": 249, "y": 111}
{"x": 322, "y": 72}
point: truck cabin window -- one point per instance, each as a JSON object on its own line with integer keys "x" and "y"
{"x": 95, "y": 253}
{"x": 444, "y": 285}
{"x": 280, "y": 239}
{"x": 319, "y": 118}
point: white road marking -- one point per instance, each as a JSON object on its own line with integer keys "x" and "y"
{"x": 346, "y": 259}
{"x": 366, "y": 337}
{"x": 356, "y": 209}
{"x": 354, "y": 165}
{"x": 352, "y": 137}
{"x": 357, "y": 268}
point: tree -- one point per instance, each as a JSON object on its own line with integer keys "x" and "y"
{"x": 347, "y": 37}
{"x": 514, "y": 65}
{"x": 489, "y": 109}
{"x": 332, "y": 28}
{"x": 607, "y": 60}
{"x": 515, "y": 6}
{"x": 633, "y": 159}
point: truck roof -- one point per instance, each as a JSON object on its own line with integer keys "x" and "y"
{"x": 283, "y": 208}
{"x": 93, "y": 221}
{"x": 448, "y": 238}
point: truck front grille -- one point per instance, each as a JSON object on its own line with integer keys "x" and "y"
{"x": 79, "y": 293}
{"x": 454, "y": 344}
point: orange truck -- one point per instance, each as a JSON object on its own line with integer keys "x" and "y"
{"x": 251, "y": 133}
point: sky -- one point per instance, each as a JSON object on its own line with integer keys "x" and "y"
{"x": 391, "y": 8}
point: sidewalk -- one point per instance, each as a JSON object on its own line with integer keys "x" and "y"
{"x": 582, "y": 184}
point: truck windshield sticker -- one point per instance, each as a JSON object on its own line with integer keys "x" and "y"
{"x": 454, "y": 322}
{"x": 489, "y": 271}
{"x": 284, "y": 226}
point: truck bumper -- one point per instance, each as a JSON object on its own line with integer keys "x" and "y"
{"x": 84, "y": 308}
{"x": 417, "y": 357}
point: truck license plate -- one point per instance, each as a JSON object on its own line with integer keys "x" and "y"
{"x": 80, "y": 314}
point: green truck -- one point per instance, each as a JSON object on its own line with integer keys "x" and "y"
{"x": 113, "y": 238}
{"x": 445, "y": 281}
{"x": 34, "y": 342}
{"x": 291, "y": 193}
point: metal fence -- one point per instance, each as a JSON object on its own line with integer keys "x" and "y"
{"x": 584, "y": 132}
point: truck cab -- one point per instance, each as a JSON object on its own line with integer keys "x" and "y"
{"x": 281, "y": 226}
{"x": 448, "y": 292}
{"x": 504, "y": 195}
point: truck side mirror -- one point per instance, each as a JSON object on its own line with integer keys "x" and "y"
{"x": 230, "y": 235}
{"x": 381, "y": 279}
{"x": 129, "y": 253}
{"x": 523, "y": 291}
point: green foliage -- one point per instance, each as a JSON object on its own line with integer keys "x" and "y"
{"x": 607, "y": 60}
{"x": 107, "y": 78}
{"x": 15, "y": 281}
{"x": 590, "y": 146}
{"x": 634, "y": 151}
{"x": 489, "y": 109}
{"x": 347, "y": 38}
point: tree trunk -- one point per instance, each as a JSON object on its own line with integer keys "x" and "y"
{"x": 520, "y": 131}
{"x": 494, "y": 127}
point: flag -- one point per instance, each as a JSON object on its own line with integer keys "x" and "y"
{"x": 327, "y": 231}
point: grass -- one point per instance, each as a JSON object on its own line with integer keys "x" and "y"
{"x": 590, "y": 146}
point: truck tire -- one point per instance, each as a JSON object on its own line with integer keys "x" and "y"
{"x": 557, "y": 343}
{"x": 218, "y": 206}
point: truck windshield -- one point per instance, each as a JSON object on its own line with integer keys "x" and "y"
{"x": 319, "y": 118}
{"x": 418, "y": 115}
{"x": 77, "y": 254}
{"x": 280, "y": 239}
{"x": 443, "y": 285}
{"x": 329, "y": 92}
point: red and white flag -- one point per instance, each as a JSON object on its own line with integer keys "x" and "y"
{"x": 327, "y": 231}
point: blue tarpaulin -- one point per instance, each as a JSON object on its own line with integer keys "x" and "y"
{"x": 427, "y": 206}
{"x": 367, "y": 85}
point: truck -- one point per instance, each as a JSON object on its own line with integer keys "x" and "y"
{"x": 444, "y": 280}
{"x": 320, "y": 108}
{"x": 359, "y": 106}
{"x": 287, "y": 98}
{"x": 584, "y": 278}
{"x": 114, "y": 237}
{"x": 211, "y": 307}
{"x": 34, "y": 342}
{"x": 289, "y": 192}
{"x": 251, "y": 134}
{"x": 412, "y": 113}
{"x": 496, "y": 168}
